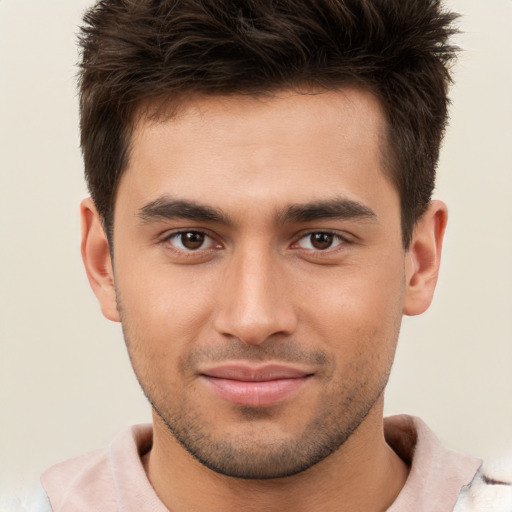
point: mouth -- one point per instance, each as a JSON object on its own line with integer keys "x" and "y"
{"x": 255, "y": 386}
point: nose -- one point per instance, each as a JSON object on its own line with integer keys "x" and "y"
{"x": 255, "y": 302}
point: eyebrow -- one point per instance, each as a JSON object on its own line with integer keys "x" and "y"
{"x": 331, "y": 209}
{"x": 167, "y": 208}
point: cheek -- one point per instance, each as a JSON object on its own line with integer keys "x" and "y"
{"x": 162, "y": 310}
{"x": 164, "y": 291}
{"x": 356, "y": 310}
{"x": 356, "y": 292}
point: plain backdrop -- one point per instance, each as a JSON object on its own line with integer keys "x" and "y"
{"x": 66, "y": 385}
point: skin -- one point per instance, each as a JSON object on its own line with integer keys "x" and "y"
{"x": 268, "y": 275}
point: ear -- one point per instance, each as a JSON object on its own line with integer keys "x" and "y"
{"x": 97, "y": 260}
{"x": 423, "y": 259}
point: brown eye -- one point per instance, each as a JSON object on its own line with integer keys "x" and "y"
{"x": 190, "y": 240}
{"x": 320, "y": 241}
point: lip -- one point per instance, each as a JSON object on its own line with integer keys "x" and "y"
{"x": 255, "y": 386}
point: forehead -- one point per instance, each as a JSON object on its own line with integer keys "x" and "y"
{"x": 347, "y": 109}
{"x": 266, "y": 148}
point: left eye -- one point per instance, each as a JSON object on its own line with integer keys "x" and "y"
{"x": 320, "y": 241}
{"x": 191, "y": 240}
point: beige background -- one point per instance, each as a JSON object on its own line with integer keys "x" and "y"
{"x": 65, "y": 381}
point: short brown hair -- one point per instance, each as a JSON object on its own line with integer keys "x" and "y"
{"x": 137, "y": 50}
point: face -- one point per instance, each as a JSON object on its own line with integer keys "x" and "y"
{"x": 260, "y": 276}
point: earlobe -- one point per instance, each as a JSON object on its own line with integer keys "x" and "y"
{"x": 423, "y": 259}
{"x": 97, "y": 260}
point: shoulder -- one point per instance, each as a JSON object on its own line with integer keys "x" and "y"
{"x": 100, "y": 479}
{"x": 74, "y": 480}
{"x": 490, "y": 490}
{"x": 34, "y": 499}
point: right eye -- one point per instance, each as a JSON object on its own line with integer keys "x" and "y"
{"x": 190, "y": 241}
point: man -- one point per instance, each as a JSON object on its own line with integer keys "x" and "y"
{"x": 260, "y": 220}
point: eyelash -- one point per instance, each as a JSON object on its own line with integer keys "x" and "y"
{"x": 341, "y": 240}
{"x": 177, "y": 234}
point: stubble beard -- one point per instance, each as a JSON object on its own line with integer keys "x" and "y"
{"x": 336, "y": 417}
{"x": 245, "y": 456}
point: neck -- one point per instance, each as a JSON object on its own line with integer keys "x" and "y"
{"x": 363, "y": 474}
